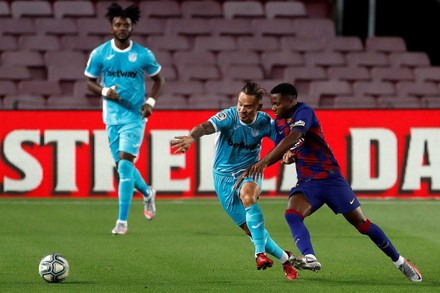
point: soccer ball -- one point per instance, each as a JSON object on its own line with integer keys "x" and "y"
{"x": 54, "y": 268}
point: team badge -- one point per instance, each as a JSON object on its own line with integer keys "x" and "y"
{"x": 132, "y": 57}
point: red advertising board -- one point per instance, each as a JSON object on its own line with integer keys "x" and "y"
{"x": 383, "y": 153}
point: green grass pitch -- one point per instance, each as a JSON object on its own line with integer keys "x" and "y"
{"x": 192, "y": 246}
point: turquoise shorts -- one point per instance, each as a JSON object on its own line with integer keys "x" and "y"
{"x": 230, "y": 197}
{"x": 125, "y": 138}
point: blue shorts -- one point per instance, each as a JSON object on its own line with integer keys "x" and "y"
{"x": 335, "y": 192}
{"x": 230, "y": 198}
{"x": 125, "y": 138}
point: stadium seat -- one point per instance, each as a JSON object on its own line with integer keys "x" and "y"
{"x": 234, "y": 9}
{"x": 169, "y": 71}
{"x": 215, "y": 43}
{"x": 367, "y": 59}
{"x": 22, "y": 58}
{"x": 24, "y": 102}
{"x": 397, "y": 102}
{"x": 4, "y": 9}
{"x": 430, "y": 73}
{"x": 228, "y": 58}
{"x": 304, "y": 73}
{"x": 80, "y": 8}
{"x": 290, "y": 9}
{"x": 354, "y": 102}
{"x": 39, "y": 87}
{"x": 54, "y": 26}
{"x": 324, "y": 59}
{"x": 7, "y": 87}
{"x": 202, "y": 9}
{"x": 274, "y": 62}
{"x": 324, "y": 92}
{"x": 302, "y": 44}
{"x": 39, "y": 43}
{"x": 168, "y": 43}
{"x": 93, "y": 26}
{"x": 66, "y": 72}
{"x": 344, "y": 44}
{"x": 418, "y": 89}
{"x": 14, "y": 72}
{"x": 80, "y": 43}
{"x": 59, "y": 58}
{"x": 68, "y": 103}
{"x": 392, "y": 74}
{"x": 385, "y": 44}
{"x": 258, "y": 44}
{"x": 31, "y": 8}
{"x": 205, "y": 101}
{"x": 351, "y": 74}
{"x": 320, "y": 28}
{"x": 188, "y": 27}
{"x": 171, "y": 102}
{"x": 150, "y": 26}
{"x": 160, "y": 9}
{"x": 8, "y": 43}
{"x": 409, "y": 59}
{"x": 373, "y": 88}
{"x": 17, "y": 27}
{"x": 243, "y": 72}
{"x": 273, "y": 27}
{"x": 431, "y": 102}
{"x": 164, "y": 57}
{"x": 199, "y": 72}
{"x": 231, "y": 27}
{"x": 184, "y": 88}
{"x": 224, "y": 87}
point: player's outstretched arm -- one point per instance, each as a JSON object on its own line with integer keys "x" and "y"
{"x": 182, "y": 143}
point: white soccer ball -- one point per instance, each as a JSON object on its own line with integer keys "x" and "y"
{"x": 54, "y": 268}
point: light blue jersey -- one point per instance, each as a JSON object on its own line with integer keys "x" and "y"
{"x": 238, "y": 145}
{"x": 124, "y": 68}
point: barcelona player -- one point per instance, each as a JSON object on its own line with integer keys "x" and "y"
{"x": 239, "y": 131}
{"x": 120, "y": 65}
{"x": 301, "y": 140}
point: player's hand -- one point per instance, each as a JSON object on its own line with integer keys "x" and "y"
{"x": 112, "y": 95}
{"x": 255, "y": 171}
{"x": 146, "y": 110}
{"x": 181, "y": 143}
{"x": 288, "y": 158}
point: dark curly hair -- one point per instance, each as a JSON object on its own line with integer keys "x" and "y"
{"x": 115, "y": 10}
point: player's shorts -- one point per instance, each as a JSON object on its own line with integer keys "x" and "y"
{"x": 230, "y": 197}
{"x": 334, "y": 191}
{"x": 125, "y": 138}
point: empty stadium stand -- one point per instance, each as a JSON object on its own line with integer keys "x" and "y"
{"x": 207, "y": 50}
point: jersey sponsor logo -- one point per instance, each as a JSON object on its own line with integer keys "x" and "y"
{"x": 120, "y": 73}
{"x": 220, "y": 116}
{"x": 242, "y": 145}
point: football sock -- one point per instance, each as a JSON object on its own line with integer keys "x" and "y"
{"x": 255, "y": 223}
{"x": 399, "y": 261}
{"x": 140, "y": 184}
{"x": 299, "y": 231}
{"x": 379, "y": 238}
{"x": 125, "y": 188}
{"x": 273, "y": 248}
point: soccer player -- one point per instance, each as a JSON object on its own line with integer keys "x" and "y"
{"x": 239, "y": 132}
{"x": 301, "y": 140}
{"x": 120, "y": 65}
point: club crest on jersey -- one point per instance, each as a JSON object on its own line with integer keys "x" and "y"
{"x": 132, "y": 57}
{"x": 220, "y": 116}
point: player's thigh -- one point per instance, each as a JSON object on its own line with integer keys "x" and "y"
{"x": 304, "y": 197}
{"x": 339, "y": 196}
{"x": 131, "y": 137}
{"x": 113, "y": 140}
{"x": 229, "y": 199}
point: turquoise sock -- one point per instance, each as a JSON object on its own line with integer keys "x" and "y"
{"x": 255, "y": 223}
{"x": 140, "y": 184}
{"x": 125, "y": 188}
{"x": 272, "y": 247}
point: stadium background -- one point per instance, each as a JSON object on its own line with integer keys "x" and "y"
{"x": 208, "y": 49}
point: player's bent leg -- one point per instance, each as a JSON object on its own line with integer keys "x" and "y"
{"x": 283, "y": 256}
{"x": 255, "y": 223}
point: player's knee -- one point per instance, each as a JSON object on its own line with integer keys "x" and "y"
{"x": 364, "y": 227}
{"x": 125, "y": 169}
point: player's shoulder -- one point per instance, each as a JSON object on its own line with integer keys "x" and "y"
{"x": 225, "y": 114}
{"x": 263, "y": 117}
{"x": 104, "y": 46}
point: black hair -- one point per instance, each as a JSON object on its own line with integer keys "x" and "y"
{"x": 285, "y": 89}
{"x": 254, "y": 89}
{"x": 115, "y": 10}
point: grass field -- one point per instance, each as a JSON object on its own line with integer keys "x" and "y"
{"x": 192, "y": 246}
